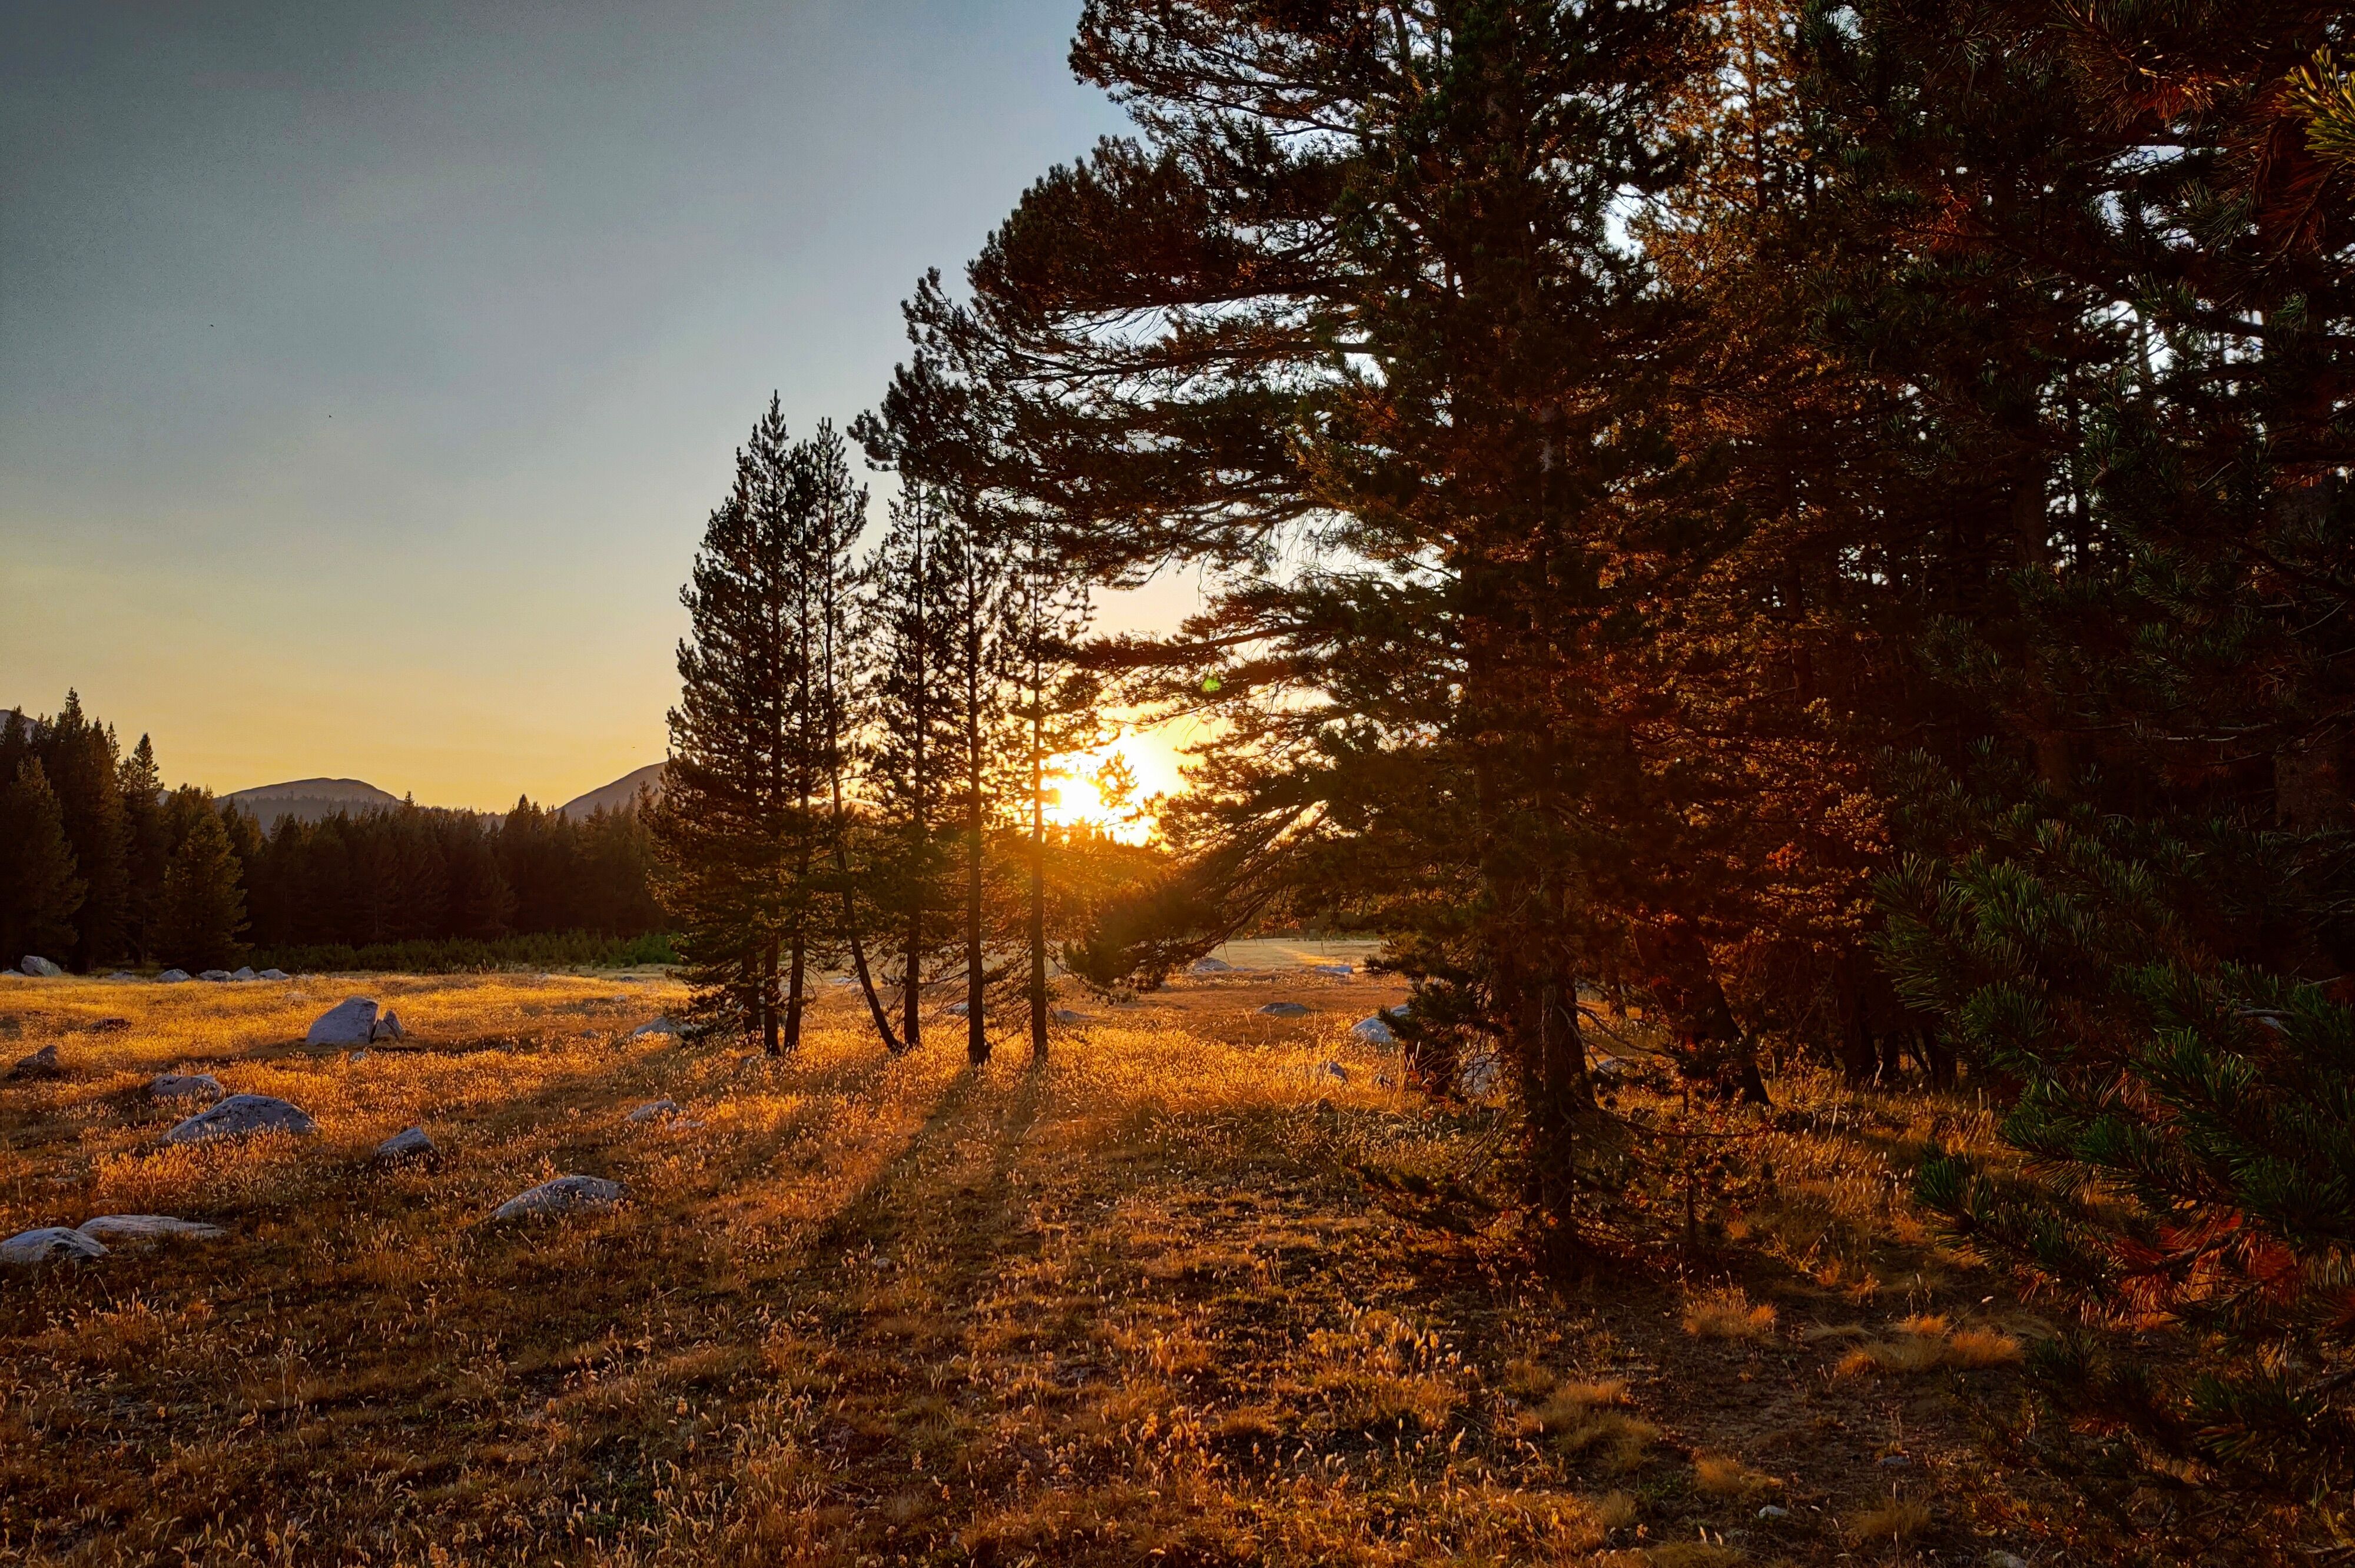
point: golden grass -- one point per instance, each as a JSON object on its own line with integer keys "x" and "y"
{"x": 1898, "y": 1522}
{"x": 1927, "y": 1342}
{"x": 1134, "y": 1305}
{"x": 1727, "y": 1314}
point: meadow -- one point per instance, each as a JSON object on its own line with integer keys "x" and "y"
{"x": 1205, "y": 1286}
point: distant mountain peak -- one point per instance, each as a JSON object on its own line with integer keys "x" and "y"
{"x": 619, "y": 793}
{"x": 308, "y": 799}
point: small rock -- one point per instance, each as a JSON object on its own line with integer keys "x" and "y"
{"x": 1895, "y": 1461}
{"x": 409, "y": 1143}
{"x": 1065, "y": 1015}
{"x": 243, "y": 973}
{"x": 186, "y": 1085}
{"x": 564, "y": 1196}
{"x": 51, "y": 1244}
{"x": 351, "y": 1021}
{"x": 1478, "y": 1076}
{"x": 628, "y": 980}
{"x": 1614, "y": 1070}
{"x": 1209, "y": 967}
{"x": 216, "y": 976}
{"x": 39, "y": 967}
{"x": 1334, "y": 1070}
{"x": 2005, "y": 1560}
{"x": 651, "y": 1109}
{"x": 1374, "y": 1031}
{"x": 242, "y": 1115}
{"x": 171, "y": 977}
{"x": 658, "y": 1026}
{"x": 274, "y": 975}
{"x": 118, "y": 1229}
{"x": 1338, "y": 971}
{"x": 108, "y": 1027}
{"x": 1773, "y": 1511}
{"x": 960, "y": 1009}
{"x": 586, "y": 1034}
{"x": 122, "y": 975}
{"x": 361, "y": 1055}
{"x": 41, "y": 1064}
{"x": 389, "y": 1027}
{"x": 1286, "y": 1010}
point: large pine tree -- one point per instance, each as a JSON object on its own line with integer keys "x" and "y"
{"x": 39, "y": 891}
{"x": 202, "y": 910}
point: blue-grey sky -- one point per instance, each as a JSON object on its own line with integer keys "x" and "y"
{"x": 367, "y": 371}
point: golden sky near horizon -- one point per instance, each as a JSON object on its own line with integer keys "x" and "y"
{"x": 367, "y": 375}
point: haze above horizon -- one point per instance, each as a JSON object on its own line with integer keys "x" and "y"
{"x": 366, "y": 375}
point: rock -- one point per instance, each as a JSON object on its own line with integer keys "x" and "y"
{"x": 108, "y": 1027}
{"x": 659, "y": 1026}
{"x": 409, "y": 1143}
{"x": 39, "y": 967}
{"x": 588, "y": 1034}
{"x": 351, "y": 1021}
{"x": 1775, "y": 1510}
{"x": 122, "y": 975}
{"x": 1479, "y": 1075}
{"x": 359, "y": 1055}
{"x": 171, "y": 977}
{"x": 242, "y": 1115}
{"x": 274, "y": 975}
{"x": 244, "y": 973}
{"x": 1613, "y": 1070}
{"x": 41, "y": 1064}
{"x": 1334, "y": 1070}
{"x": 1894, "y": 1462}
{"x": 51, "y": 1244}
{"x": 2005, "y": 1560}
{"x": 651, "y": 1109}
{"x": 564, "y": 1196}
{"x": 960, "y": 1009}
{"x": 1209, "y": 967}
{"x": 1065, "y": 1015}
{"x": 389, "y": 1027}
{"x": 186, "y": 1085}
{"x": 117, "y": 1229}
{"x": 216, "y": 976}
{"x": 1338, "y": 971}
{"x": 1286, "y": 1010}
{"x": 628, "y": 980}
{"x": 1374, "y": 1031}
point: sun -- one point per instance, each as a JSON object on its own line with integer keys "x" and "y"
{"x": 1088, "y": 786}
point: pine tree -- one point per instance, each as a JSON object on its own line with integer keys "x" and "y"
{"x": 203, "y": 907}
{"x": 734, "y": 822}
{"x": 39, "y": 891}
{"x": 140, "y": 784}
{"x": 79, "y": 757}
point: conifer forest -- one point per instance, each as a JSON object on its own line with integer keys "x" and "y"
{"x": 1780, "y": 572}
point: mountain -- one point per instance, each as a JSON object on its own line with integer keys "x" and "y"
{"x": 308, "y": 799}
{"x": 620, "y": 792}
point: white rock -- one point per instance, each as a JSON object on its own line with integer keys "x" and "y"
{"x": 651, "y": 1109}
{"x": 117, "y": 1229}
{"x": 1338, "y": 971}
{"x": 242, "y": 1115}
{"x": 564, "y": 1196}
{"x": 389, "y": 1027}
{"x": 351, "y": 1021}
{"x": 1286, "y": 1010}
{"x": 171, "y": 977}
{"x": 186, "y": 1085}
{"x": 658, "y": 1026}
{"x": 1209, "y": 967}
{"x": 1774, "y": 1511}
{"x": 1479, "y": 1075}
{"x": 274, "y": 975}
{"x": 960, "y": 1009}
{"x": 216, "y": 976}
{"x": 51, "y": 1244}
{"x": 409, "y": 1143}
{"x": 39, "y": 967}
{"x": 41, "y": 1064}
{"x": 2005, "y": 1560}
{"x": 246, "y": 973}
{"x": 1374, "y": 1031}
{"x": 1334, "y": 1070}
{"x": 1065, "y": 1015}
{"x": 361, "y": 1055}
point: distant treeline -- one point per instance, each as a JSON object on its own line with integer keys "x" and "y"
{"x": 546, "y": 950}
{"x": 101, "y": 866}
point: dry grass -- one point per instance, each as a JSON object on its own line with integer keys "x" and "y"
{"x": 1899, "y": 1522}
{"x": 1727, "y": 1314}
{"x": 1135, "y": 1305}
{"x": 1926, "y": 1341}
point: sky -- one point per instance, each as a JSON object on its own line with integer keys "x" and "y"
{"x": 367, "y": 372}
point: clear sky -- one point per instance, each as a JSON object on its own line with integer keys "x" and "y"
{"x": 368, "y": 371}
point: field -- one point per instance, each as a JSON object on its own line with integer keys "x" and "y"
{"x": 1183, "y": 1293}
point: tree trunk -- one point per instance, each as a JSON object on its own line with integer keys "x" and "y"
{"x": 766, "y": 1005}
{"x": 1037, "y": 883}
{"x": 977, "y": 1035}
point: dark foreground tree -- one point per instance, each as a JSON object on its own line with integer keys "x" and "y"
{"x": 39, "y": 892}
{"x": 202, "y": 909}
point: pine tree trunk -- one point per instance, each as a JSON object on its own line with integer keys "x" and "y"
{"x": 793, "y": 1032}
{"x": 766, "y": 1004}
{"x": 1038, "y": 884}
